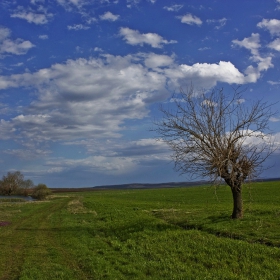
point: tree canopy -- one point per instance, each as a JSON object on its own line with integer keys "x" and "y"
{"x": 218, "y": 137}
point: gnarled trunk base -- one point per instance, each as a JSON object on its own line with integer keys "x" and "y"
{"x": 237, "y": 212}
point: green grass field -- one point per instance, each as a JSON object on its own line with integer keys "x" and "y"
{"x": 180, "y": 233}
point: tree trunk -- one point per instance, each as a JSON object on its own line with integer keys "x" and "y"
{"x": 237, "y": 212}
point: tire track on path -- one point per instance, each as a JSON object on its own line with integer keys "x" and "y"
{"x": 32, "y": 247}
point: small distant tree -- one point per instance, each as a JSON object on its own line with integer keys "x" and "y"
{"x": 14, "y": 183}
{"x": 40, "y": 192}
{"x": 26, "y": 187}
{"x": 218, "y": 137}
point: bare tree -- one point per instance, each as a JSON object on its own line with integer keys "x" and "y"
{"x": 218, "y": 137}
{"x": 14, "y": 183}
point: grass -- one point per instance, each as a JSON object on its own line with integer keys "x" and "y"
{"x": 12, "y": 199}
{"x": 180, "y": 233}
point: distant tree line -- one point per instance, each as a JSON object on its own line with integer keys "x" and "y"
{"x": 14, "y": 184}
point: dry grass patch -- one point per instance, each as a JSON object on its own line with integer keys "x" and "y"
{"x": 76, "y": 206}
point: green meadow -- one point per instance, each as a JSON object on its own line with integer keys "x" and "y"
{"x": 176, "y": 233}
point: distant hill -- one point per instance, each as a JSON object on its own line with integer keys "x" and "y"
{"x": 153, "y": 186}
{"x": 132, "y": 186}
{"x": 146, "y": 186}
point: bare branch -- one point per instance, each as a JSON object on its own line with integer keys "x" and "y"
{"x": 214, "y": 135}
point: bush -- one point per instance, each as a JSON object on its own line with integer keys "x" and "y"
{"x": 40, "y": 192}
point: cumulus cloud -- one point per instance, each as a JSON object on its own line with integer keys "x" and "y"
{"x": 154, "y": 60}
{"x": 260, "y": 140}
{"x": 252, "y": 43}
{"x": 275, "y": 45}
{"x": 190, "y": 19}
{"x": 272, "y": 25}
{"x": 212, "y": 73}
{"x": 10, "y": 46}
{"x": 4, "y": 33}
{"x": 134, "y": 37}
{"x": 37, "y": 17}
{"x": 18, "y": 46}
{"x": 109, "y": 16}
{"x": 93, "y": 98}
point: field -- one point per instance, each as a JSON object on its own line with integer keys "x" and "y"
{"x": 176, "y": 233}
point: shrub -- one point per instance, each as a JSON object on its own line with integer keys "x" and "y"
{"x": 40, "y": 192}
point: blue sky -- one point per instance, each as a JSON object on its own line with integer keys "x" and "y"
{"x": 81, "y": 80}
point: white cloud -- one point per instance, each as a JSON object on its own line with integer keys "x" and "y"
{"x": 94, "y": 97}
{"x": 154, "y": 60}
{"x": 109, "y": 16}
{"x": 44, "y": 37}
{"x": 79, "y": 49}
{"x": 90, "y": 20}
{"x": 212, "y": 73}
{"x": 204, "y": 49}
{"x": 77, "y": 27}
{"x": 273, "y": 119}
{"x": 38, "y": 17}
{"x": 134, "y": 37}
{"x": 96, "y": 49}
{"x": 190, "y": 19}
{"x": 67, "y": 4}
{"x": 221, "y": 22}
{"x": 4, "y": 33}
{"x": 17, "y": 46}
{"x": 251, "y": 43}
{"x": 127, "y": 155}
{"x": 173, "y": 8}
{"x": 240, "y": 101}
{"x": 27, "y": 154}
{"x": 275, "y": 44}
{"x": 131, "y": 3}
{"x": 34, "y": 2}
{"x": 98, "y": 164}
{"x": 272, "y": 25}
{"x": 83, "y": 7}
{"x": 17, "y": 64}
{"x": 273, "y": 83}
{"x": 260, "y": 140}
{"x": 263, "y": 63}
{"x": 209, "y": 103}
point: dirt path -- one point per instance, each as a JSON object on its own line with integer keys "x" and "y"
{"x": 31, "y": 247}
